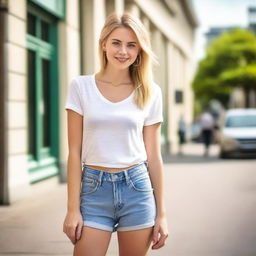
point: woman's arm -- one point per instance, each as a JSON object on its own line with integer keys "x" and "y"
{"x": 73, "y": 221}
{"x": 151, "y": 137}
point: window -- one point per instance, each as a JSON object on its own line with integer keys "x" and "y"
{"x": 178, "y": 96}
{"x": 42, "y": 94}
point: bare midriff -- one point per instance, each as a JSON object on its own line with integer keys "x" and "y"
{"x": 109, "y": 169}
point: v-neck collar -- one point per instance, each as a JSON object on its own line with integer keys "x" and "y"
{"x": 104, "y": 98}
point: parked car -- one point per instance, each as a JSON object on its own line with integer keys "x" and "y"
{"x": 237, "y": 133}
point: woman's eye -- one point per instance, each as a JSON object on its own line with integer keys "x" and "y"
{"x": 115, "y": 43}
{"x": 131, "y": 45}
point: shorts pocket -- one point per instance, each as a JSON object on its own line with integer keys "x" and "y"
{"x": 141, "y": 183}
{"x": 89, "y": 185}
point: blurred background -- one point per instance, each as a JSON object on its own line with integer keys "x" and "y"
{"x": 207, "y": 72}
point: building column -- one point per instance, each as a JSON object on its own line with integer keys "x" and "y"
{"x": 172, "y": 125}
{"x": 176, "y": 73}
{"x": 69, "y": 63}
{"x": 4, "y": 191}
{"x": 159, "y": 46}
{"x": 116, "y": 6}
{"x": 92, "y": 21}
{"x": 188, "y": 91}
{"x": 146, "y": 22}
{"x": 119, "y": 6}
{"x": 16, "y": 103}
{"x": 132, "y": 8}
{"x": 179, "y": 87}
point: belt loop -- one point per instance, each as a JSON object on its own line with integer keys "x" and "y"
{"x": 100, "y": 178}
{"x": 127, "y": 179}
{"x": 146, "y": 162}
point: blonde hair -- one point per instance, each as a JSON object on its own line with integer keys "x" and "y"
{"x": 141, "y": 69}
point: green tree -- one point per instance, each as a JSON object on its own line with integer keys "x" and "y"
{"x": 230, "y": 61}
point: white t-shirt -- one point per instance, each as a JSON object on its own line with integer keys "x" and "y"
{"x": 112, "y": 132}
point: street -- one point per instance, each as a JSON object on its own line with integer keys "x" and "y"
{"x": 211, "y": 207}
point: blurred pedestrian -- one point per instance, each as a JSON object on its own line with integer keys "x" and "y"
{"x": 181, "y": 134}
{"x": 207, "y": 128}
{"x": 114, "y": 134}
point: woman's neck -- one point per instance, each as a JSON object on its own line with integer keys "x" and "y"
{"x": 115, "y": 76}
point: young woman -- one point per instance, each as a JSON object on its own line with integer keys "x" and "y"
{"x": 114, "y": 120}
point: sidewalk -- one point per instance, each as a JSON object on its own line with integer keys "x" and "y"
{"x": 211, "y": 211}
{"x": 33, "y": 226}
{"x": 194, "y": 153}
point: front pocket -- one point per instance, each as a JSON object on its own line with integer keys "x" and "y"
{"x": 141, "y": 183}
{"x": 89, "y": 185}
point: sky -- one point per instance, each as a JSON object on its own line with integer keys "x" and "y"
{"x": 218, "y": 13}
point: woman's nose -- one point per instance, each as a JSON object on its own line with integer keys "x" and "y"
{"x": 123, "y": 49}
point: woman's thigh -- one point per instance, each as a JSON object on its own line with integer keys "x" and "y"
{"x": 135, "y": 243}
{"x": 93, "y": 242}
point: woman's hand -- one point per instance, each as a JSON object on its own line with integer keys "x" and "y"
{"x": 73, "y": 225}
{"x": 161, "y": 229}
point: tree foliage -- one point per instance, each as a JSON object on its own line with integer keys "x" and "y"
{"x": 230, "y": 61}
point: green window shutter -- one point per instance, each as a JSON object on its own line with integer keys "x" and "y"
{"x": 42, "y": 92}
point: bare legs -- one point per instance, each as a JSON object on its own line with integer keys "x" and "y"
{"x": 135, "y": 243}
{"x": 95, "y": 242}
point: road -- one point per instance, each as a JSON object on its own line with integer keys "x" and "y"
{"x": 211, "y": 208}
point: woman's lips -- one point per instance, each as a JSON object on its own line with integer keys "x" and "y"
{"x": 121, "y": 59}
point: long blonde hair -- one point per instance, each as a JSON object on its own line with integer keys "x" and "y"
{"x": 141, "y": 69}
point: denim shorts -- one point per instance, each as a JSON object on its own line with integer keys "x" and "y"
{"x": 120, "y": 201}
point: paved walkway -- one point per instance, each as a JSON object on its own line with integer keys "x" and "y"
{"x": 211, "y": 208}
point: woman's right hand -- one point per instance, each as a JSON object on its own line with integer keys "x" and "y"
{"x": 73, "y": 225}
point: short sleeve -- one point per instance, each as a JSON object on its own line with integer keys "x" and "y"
{"x": 73, "y": 100}
{"x": 155, "y": 109}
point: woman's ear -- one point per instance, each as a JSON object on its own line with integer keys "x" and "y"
{"x": 104, "y": 47}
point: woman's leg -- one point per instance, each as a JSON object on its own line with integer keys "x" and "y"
{"x": 94, "y": 242}
{"x": 135, "y": 243}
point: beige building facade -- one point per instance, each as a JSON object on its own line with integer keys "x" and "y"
{"x": 44, "y": 44}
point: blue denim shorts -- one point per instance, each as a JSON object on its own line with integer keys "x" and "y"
{"x": 120, "y": 201}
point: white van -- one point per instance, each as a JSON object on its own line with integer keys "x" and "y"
{"x": 237, "y": 134}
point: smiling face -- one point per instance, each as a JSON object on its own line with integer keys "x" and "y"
{"x": 121, "y": 47}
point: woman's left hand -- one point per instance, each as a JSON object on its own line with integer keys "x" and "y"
{"x": 161, "y": 229}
